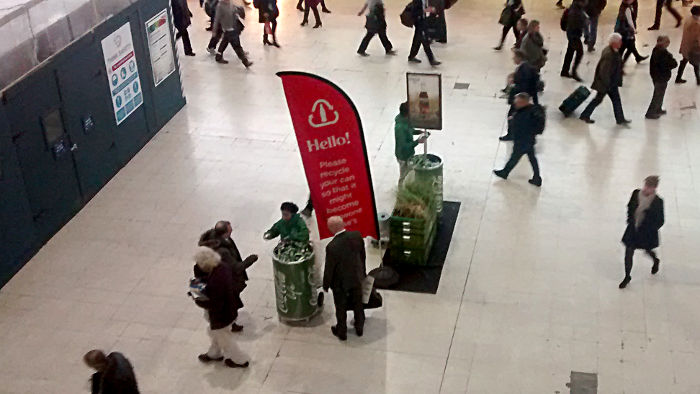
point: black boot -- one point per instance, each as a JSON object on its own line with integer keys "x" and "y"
{"x": 655, "y": 267}
{"x": 625, "y": 282}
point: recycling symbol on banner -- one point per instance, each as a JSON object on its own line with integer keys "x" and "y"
{"x": 323, "y": 107}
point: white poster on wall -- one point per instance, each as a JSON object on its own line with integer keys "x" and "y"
{"x": 122, "y": 72}
{"x": 162, "y": 58}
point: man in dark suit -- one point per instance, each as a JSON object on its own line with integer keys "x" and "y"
{"x": 645, "y": 216}
{"x": 344, "y": 273}
{"x": 607, "y": 81}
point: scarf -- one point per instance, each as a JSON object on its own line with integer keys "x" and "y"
{"x": 643, "y": 204}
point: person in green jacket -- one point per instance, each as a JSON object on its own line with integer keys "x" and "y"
{"x": 291, "y": 227}
{"x": 405, "y": 144}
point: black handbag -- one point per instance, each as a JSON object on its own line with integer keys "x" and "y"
{"x": 375, "y": 300}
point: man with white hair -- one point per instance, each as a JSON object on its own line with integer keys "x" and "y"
{"x": 220, "y": 305}
{"x": 344, "y": 273}
{"x": 607, "y": 81}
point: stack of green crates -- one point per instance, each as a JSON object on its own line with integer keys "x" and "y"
{"x": 412, "y": 239}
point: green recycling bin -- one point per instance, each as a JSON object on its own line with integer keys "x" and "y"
{"x": 428, "y": 169}
{"x": 297, "y": 297}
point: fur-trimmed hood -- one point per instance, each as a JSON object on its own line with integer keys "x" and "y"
{"x": 206, "y": 258}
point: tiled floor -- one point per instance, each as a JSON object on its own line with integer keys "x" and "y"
{"x": 529, "y": 292}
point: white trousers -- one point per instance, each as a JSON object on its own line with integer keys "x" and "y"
{"x": 222, "y": 343}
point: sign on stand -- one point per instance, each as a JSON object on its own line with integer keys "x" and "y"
{"x": 424, "y": 93}
{"x": 122, "y": 72}
{"x": 160, "y": 47}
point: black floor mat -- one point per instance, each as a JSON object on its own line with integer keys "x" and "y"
{"x": 426, "y": 279}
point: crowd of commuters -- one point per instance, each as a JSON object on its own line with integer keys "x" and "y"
{"x": 219, "y": 267}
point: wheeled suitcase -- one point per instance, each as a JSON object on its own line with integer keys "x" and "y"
{"x": 574, "y": 100}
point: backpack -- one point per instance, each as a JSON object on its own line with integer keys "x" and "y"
{"x": 564, "y": 21}
{"x": 407, "y": 15}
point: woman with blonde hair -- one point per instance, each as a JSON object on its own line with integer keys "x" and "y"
{"x": 219, "y": 304}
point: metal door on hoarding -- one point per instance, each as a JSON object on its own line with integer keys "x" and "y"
{"x": 45, "y": 152}
{"x": 87, "y": 111}
{"x": 16, "y": 228}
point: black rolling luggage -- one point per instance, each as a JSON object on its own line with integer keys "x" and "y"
{"x": 574, "y": 100}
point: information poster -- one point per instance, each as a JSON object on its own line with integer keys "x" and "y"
{"x": 122, "y": 72}
{"x": 332, "y": 147}
{"x": 160, "y": 47}
{"x": 425, "y": 100}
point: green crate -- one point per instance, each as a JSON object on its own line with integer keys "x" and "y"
{"x": 413, "y": 254}
{"x": 413, "y": 239}
{"x": 409, "y": 256}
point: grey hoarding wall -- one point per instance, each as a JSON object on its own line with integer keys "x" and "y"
{"x": 59, "y": 139}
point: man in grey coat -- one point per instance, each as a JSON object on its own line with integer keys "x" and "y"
{"x": 228, "y": 28}
{"x": 533, "y": 45}
{"x": 607, "y": 81}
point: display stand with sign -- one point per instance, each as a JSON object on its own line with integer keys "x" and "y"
{"x": 411, "y": 239}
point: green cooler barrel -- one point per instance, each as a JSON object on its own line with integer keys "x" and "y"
{"x": 432, "y": 176}
{"x": 297, "y": 298}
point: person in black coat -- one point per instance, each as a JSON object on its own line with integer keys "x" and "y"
{"x": 376, "y": 24}
{"x": 669, "y": 6}
{"x": 344, "y": 273}
{"x": 527, "y": 121}
{"x": 526, "y": 79}
{"x": 300, "y": 6}
{"x": 576, "y": 22}
{"x": 437, "y": 24}
{"x": 645, "y": 216}
{"x": 626, "y": 26}
{"x": 512, "y": 12}
{"x": 219, "y": 239}
{"x": 220, "y": 303}
{"x": 182, "y": 20}
{"x": 114, "y": 375}
{"x": 268, "y": 13}
{"x": 420, "y": 33}
{"x": 660, "y": 66}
